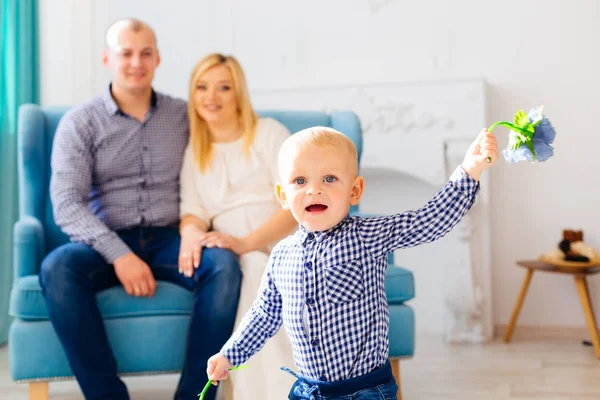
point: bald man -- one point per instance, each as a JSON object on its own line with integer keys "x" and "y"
{"x": 115, "y": 193}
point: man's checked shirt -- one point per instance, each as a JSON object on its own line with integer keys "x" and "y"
{"x": 111, "y": 171}
{"x": 327, "y": 288}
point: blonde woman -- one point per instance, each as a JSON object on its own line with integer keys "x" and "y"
{"x": 228, "y": 200}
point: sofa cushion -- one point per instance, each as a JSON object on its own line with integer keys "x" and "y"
{"x": 399, "y": 285}
{"x": 140, "y": 346}
{"x": 28, "y": 303}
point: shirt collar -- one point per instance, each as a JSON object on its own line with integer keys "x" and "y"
{"x": 303, "y": 235}
{"x": 111, "y": 105}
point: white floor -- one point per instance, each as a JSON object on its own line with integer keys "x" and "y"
{"x": 522, "y": 370}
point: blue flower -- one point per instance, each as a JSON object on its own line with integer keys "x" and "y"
{"x": 532, "y": 140}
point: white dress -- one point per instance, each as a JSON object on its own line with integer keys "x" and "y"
{"x": 236, "y": 196}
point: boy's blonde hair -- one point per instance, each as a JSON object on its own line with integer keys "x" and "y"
{"x": 321, "y": 136}
{"x": 200, "y": 141}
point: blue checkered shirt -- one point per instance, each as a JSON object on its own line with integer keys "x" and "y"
{"x": 111, "y": 171}
{"x": 327, "y": 288}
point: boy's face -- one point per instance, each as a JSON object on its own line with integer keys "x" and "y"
{"x": 318, "y": 184}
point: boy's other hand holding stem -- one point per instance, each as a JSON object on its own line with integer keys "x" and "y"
{"x": 218, "y": 368}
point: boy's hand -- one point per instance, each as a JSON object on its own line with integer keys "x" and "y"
{"x": 476, "y": 157}
{"x": 218, "y": 368}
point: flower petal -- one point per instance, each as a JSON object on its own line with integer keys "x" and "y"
{"x": 543, "y": 150}
{"x": 520, "y": 154}
{"x": 545, "y": 131}
{"x": 535, "y": 114}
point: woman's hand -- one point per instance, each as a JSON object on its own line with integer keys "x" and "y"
{"x": 190, "y": 250}
{"x": 225, "y": 241}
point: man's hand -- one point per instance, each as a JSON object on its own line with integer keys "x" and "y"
{"x": 135, "y": 275}
{"x": 190, "y": 251}
{"x": 476, "y": 157}
{"x": 218, "y": 367}
{"x": 225, "y": 241}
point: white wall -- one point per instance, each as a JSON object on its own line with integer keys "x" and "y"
{"x": 529, "y": 52}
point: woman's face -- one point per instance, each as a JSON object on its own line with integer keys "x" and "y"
{"x": 214, "y": 98}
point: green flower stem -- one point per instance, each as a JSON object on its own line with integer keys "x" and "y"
{"x": 508, "y": 125}
{"x": 517, "y": 129}
{"x": 210, "y": 381}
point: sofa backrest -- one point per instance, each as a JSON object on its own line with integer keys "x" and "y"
{"x": 37, "y": 126}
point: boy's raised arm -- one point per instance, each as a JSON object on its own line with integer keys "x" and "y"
{"x": 384, "y": 234}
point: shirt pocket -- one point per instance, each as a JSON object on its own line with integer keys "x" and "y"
{"x": 344, "y": 281}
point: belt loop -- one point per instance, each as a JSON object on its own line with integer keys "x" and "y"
{"x": 286, "y": 369}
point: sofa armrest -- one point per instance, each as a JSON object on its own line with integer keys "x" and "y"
{"x": 29, "y": 243}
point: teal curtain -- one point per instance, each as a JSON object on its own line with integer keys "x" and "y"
{"x": 19, "y": 84}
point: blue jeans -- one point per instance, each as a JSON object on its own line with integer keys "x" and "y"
{"x": 72, "y": 274}
{"x": 378, "y": 384}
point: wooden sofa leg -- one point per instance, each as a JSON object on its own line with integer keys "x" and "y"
{"x": 38, "y": 391}
{"x": 396, "y": 371}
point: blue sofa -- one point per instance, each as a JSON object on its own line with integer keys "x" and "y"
{"x": 147, "y": 335}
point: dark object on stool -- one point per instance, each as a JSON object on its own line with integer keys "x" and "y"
{"x": 573, "y": 236}
{"x": 570, "y": 236}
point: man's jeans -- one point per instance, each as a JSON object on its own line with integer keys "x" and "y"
{"x": 72, "y": 274}
{"x": 376, "y": 385}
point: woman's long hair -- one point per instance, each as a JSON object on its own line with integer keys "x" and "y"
{"x": 200, "y": 140}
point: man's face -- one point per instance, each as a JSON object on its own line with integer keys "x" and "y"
{"x": 132, "y": 60}
{"x": 318, "y": 185}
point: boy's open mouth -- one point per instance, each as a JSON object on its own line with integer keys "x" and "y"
{"x": 316, "y": 208}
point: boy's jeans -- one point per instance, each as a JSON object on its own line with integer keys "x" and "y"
{"x": 378, "y": 384}
{"x": 72, "y": 274}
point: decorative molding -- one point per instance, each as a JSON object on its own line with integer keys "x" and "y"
{"x": 389, "y": 116}
{"x": 398, "y": 119}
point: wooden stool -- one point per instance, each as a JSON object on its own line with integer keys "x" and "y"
{"x": 580, "y": 275}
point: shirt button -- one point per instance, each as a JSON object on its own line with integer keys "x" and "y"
{"x": 314, "y": 342}
{"x": 311, "y": 236}
{"x": 308, "y": 265}
{"x": 145, "y": 148}
{"x": 310, "y": 300}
